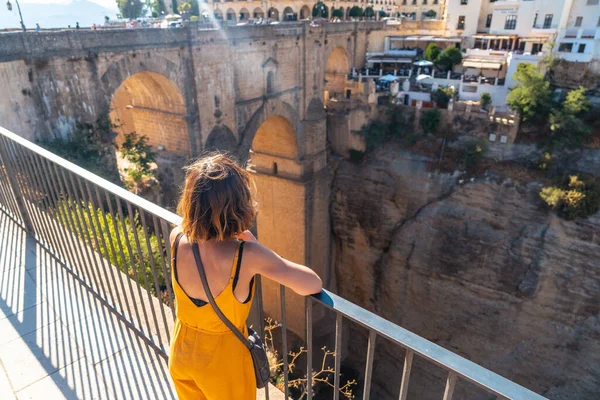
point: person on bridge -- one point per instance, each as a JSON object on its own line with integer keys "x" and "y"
{"x": 207, "y": 360}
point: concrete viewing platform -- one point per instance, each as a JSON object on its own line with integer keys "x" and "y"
{"x": 58, "y": 341}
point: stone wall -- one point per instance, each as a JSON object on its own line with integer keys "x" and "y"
{"x": 481, "y": 269}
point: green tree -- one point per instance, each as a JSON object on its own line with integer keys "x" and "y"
{"x": 138, "y": 152}
{"x": 356, "y": 12}
{"x": 449, "y": 58}
{"x": 131, "y": 9}
{"x": 185, "y": 8}
{"x": 432, "y": 52}
{"x": 430, "y": 120}
{"x": 485, "y": 99}
{"x": 174, "y": 6}
{"x": 382, "y": 14}
{"x": 531, "y": 97}
{"x": 573, "y": 196}
{"x": 442, "y": 96}
{"x": 577, "y": 102}
{"x": 320, "y": 10}
{"x": 158, "y": 7}
{"x": 369, "y": 13}
{"x": 339, "y": 13}
{"x": 567, "y": 128}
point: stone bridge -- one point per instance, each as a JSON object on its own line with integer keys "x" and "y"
{"x": 256, "y": 91}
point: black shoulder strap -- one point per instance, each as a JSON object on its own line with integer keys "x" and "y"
{"x": 211, "y": 299}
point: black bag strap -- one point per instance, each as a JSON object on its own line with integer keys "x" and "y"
{"x": 211, "y": 299}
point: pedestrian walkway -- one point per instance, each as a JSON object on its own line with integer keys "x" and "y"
{"x": 58, "y": 341}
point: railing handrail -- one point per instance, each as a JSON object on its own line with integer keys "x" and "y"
{"x": 448, "y": 360}
{"x": 95, "y": 179}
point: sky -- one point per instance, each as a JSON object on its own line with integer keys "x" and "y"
{"x": 57, "y": 13}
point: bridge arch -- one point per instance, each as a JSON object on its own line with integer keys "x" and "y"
{"x": 221, "y": 138}
{"x": 271, "y": 107}
{"x": 336, "y": 71}
{"x": 150, "y": 104}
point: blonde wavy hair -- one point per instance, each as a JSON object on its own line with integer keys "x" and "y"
{"x": 217, "y": 200}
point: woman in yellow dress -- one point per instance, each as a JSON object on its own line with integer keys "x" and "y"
{"x": 207, "y": 361}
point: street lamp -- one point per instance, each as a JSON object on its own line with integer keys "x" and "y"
{"x": 9, "y": 6}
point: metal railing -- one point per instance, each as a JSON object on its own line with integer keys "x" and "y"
{"x": 117, "y": 245}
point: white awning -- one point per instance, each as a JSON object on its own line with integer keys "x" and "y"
{"x": 482, "y": 64}
{"x": 427, "y": 39}
{"x": 536, "y": 39}
{"x": 493, "y": 37}
{"x": 389, "y": 60}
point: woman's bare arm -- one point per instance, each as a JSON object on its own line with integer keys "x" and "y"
{"x": 263, "y": 261}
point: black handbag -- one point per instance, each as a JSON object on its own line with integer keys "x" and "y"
{"x": 253, "y": 343}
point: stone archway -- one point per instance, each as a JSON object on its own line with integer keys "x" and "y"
{"x": 258, "y": 13}
{"x": 244, "y": 14}
{"x": 273, "y": 14}
{"x": 289, "y": 14}
{"x": 221, "y": 138}
{"x": 305, "y": 12}
{"x": 336, "y": 72}
{"x": 231, "y": 15}
{"x": 150, "y": 104}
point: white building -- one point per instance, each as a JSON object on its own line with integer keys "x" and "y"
{"x": 578, "y": 38}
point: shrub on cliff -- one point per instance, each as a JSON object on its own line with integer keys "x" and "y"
{"x": 442, "y": 96}
{"x": 430, "y": 120}
{"x": 531, "y": 97}
{"x": 573, "y": 196}
{"x": 90, "y": 146}
{"x": 484, "y": 100}
{"x": 473, "y": 153}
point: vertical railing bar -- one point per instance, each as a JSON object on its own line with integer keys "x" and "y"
{"x": 72, "y": 222}
{"x": 143, "y": 271}
{"x": 309, "y": 347}
{"x": 34, "y": 218}
{"x": 369, "y": 366}
{"x": 338, "y": 355}
{"x": 112, "y": 261}
{"x": 94, "y": 243}
{"x": 450, "y": 383}
{"x": 408, "y": 359}
{"x": 114, "y": 218}
{"x": 284, "y": 349}
{"x": 133, "y": 267}
{"x": 18, "y": 196}
{"x": 16, "y": 176}
{"x": 7, "y": 191}
{"x": 165, "y": 246}
{"x": 45, "y": 230}
{"x": 78, "y": 207}
{"x": 261, "y": 317}
{"x": 154, "y": 270}
{"x": 107, "y": 264}
{"x": 52, "y": 209}
{"x": 166, "y": 237}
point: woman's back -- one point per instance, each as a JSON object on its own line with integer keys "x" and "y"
{"x": 207, "y": 360}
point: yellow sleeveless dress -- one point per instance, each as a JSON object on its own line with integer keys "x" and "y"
{"x": 207, "y": 361}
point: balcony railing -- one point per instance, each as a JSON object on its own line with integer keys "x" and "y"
{"x": 116, "y": 243}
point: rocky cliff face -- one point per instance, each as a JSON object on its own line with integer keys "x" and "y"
{"x": 478, "y": 267}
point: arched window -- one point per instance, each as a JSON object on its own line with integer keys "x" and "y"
{"x": 270, "y": 83}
